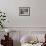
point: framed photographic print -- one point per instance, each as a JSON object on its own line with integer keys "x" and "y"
{"x": 24, "y": 11}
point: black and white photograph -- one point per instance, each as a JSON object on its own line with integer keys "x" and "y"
{"x": 24, "y": 11}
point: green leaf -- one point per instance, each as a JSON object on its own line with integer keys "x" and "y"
{"x": 3, "y": 19}
{"x": 0, "y": 12}
{"x": 4, "y": 13}
{"x": 2, "y": 26}
{"x": 0, "y": 21}
{"x": 4, "y": 16}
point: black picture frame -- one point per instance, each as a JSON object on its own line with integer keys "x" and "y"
{"x": 24, "y": 11}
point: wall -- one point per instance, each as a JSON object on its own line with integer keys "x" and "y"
{"x": 37, "y": 16}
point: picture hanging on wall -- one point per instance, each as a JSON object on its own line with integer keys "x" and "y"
{"x": 24, "y": 11}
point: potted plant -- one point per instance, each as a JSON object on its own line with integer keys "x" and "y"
{"x": 2, "y": 19}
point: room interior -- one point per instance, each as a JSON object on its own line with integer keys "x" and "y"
{"x": 25, "y": 23}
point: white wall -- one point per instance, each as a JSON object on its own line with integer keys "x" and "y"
{"x": 37, "y": 16}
